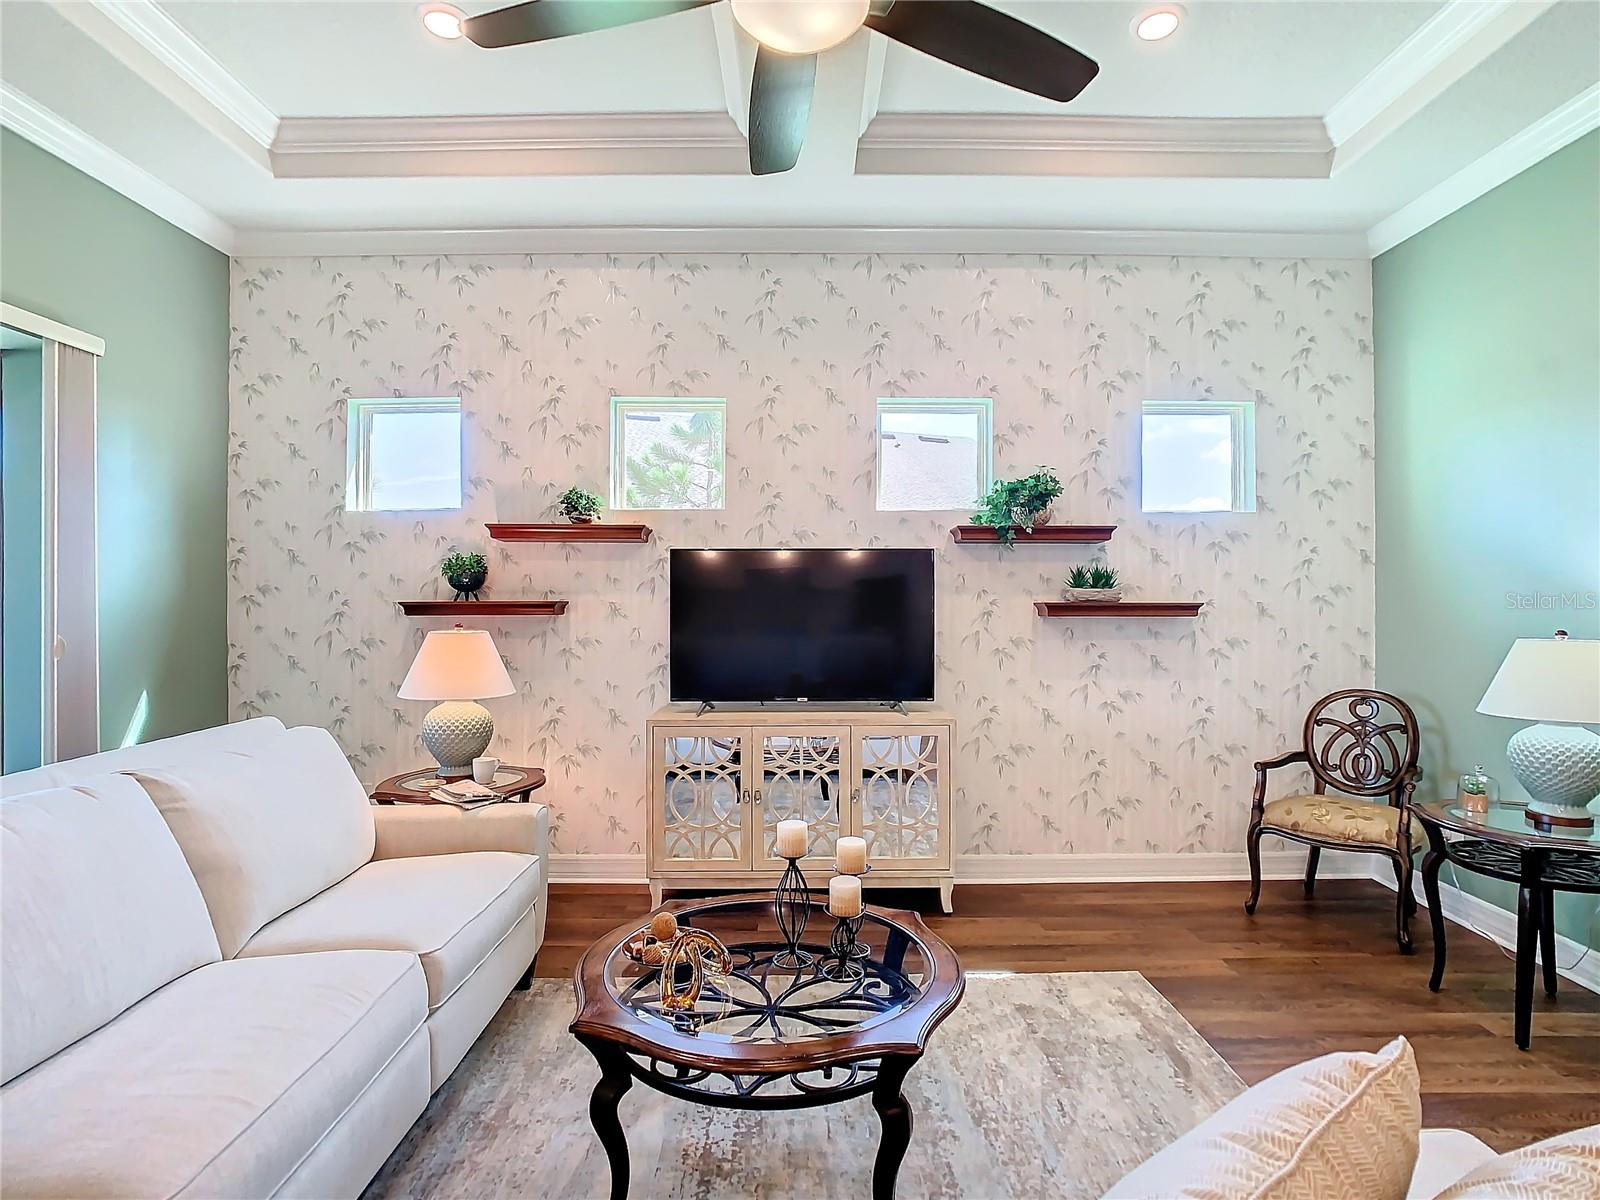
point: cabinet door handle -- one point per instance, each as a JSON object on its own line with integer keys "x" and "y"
{"x": 744, "y": 797}
{"x": 758, "y": 795}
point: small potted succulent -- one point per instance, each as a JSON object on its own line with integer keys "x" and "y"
{"x": 1019, "y": 503}
{"x": 1095, "y": 582}
{"x": 466, "y": 573}
{"x": 578, "y": 506}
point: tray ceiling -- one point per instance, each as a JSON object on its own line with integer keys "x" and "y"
{"x": 288, "y": 124}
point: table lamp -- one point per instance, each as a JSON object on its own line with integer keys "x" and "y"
{"x": 458, "y": 667}
{"x": 1556, "y": 682}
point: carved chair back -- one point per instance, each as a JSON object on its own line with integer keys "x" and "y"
{"x": 1362, "y": 742}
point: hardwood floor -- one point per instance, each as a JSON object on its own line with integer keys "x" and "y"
{"x": 1301, "y": 978}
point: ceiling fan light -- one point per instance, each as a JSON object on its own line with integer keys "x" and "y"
{"x": 442, "y": 20}
{"x": 1158, "y": 23}
{"x": 800, "y": 26}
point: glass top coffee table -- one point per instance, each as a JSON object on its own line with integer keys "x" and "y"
{"x": 766, "y": 1036}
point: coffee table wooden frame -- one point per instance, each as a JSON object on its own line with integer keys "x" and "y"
{"x": 619, "y": 1037}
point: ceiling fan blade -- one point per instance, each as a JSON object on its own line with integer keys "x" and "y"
{"x": 780, "y": 107}
{"x": 987, "y": 42}
{"x": 541, "y": 20}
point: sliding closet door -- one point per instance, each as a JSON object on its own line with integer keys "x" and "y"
{"x": 72, "y": 707}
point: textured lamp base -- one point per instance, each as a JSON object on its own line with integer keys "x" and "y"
{"x": 1559, "y": 765}
{"x": 456, "y": 732}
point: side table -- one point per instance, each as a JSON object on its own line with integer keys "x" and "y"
{"x": 1501, "y": 844}
{"x": 511, "y": 783}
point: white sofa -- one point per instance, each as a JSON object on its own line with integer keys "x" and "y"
{"x": 224, "y": 973}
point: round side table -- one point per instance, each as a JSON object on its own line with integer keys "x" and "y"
{"x": 414, "y": 787}
{"x": 1500, "y": 843}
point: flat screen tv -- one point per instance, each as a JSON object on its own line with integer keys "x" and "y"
{"x": 820, "y": 625}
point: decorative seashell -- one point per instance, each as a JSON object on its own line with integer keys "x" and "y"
{"x": 663, "y": 927}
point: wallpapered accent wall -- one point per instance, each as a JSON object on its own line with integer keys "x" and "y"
{"x": 1073, "y": 736}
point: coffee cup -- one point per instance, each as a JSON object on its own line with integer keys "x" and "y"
{"x": 483, "y": 770}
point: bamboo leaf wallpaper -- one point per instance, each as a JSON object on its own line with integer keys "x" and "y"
{"x": 1073, "y": 736}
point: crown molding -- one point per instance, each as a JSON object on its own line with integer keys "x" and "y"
{"x": 1448, "y": 45}
{"x": 1511, "y": 157}
{"x": 76, "y": 148}
{"x": 858, "y": 239}
{"x": 661, "y": 143}
{"x": 141, "y": 36}
{"x": 1119, "y": 147}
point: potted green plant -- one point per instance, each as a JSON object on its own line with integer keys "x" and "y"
{"x": 1019, "y": 503}
{"x": 1095, "y": 582}
{"x": 578, "y": 506}
{"x": 466, "y": 573}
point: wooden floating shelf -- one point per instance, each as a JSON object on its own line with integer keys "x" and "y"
{"x": 1119, "y": 608}
{"x": 483, "y": 608}
{"x": 564, "y": 532}
{"x": 1079, "y": 535}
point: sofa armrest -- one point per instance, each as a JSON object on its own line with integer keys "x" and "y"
{"x": 415, "y": 830}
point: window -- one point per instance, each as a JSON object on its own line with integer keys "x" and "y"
{"x": 404, "y": 454}
{"x": 932, "y": 454}
{"x": 667, "y": 453}
{"x": 1198, "y": 457}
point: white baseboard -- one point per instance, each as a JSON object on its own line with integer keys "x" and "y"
{"x": 1500, "y": 926}
{"x": 597, "y": 868}
{"x": 1149, "y": 868}
{"x": 1035, "y": 868}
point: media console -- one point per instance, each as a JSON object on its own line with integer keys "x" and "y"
{"x": 720, "y": 782}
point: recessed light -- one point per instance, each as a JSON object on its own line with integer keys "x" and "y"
{"x": 1158, "y": 23}
{"x": 443, "y": 20}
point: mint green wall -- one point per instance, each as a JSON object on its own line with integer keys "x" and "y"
{"x": 77, "y": 252}
{"x": 22, "y": 499}
{"x": 1488, "y": 456}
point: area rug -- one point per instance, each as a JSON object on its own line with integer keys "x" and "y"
{"x": 1049, "y": 1085}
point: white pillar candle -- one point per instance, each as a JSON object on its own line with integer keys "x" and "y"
{"x": 850, "y": 857}
{"x": 793, "y": 838}
{"x": 844, "y": 896}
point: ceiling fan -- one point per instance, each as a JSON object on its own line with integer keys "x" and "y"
{"x": 791, "y": 33}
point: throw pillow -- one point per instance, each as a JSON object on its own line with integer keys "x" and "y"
{"x": 1554, "y": 1169}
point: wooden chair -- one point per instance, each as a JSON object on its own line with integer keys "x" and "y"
{"x": 1363, "y": 743}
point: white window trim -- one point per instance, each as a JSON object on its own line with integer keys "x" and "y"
{"x": 1241, "y": 416}
{"x": 621, "y": 406}
{"x": 981, "y": 406}
{"x": 358, "y": 433}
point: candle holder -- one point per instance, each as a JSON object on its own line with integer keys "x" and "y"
{"x": 841, "y": 966}
{"x": 858, "y": 948}
{"x": 791, "y": 908}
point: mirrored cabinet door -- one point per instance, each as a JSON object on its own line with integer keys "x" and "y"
{"x": 703, "y": 797}
{"x": 802, "y": 774}
{"x": 902, "y": 795}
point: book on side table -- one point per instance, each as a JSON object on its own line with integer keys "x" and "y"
{"x": 466, "y": 794}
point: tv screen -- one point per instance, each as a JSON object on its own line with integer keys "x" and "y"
{"x": 837, "y": 625}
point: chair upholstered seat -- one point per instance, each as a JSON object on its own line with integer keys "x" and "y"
{"x": 1358, "y": 822}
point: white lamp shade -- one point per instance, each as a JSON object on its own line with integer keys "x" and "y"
{"x": 456, "y": 664}
{"x": 1547, "y": 679}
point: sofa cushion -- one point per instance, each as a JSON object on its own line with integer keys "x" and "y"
{"x": 97, "y": 910}
{"x": 1444, "y": 1156}
{"x": 1339, "y": 1125}
{"x": 247, "y": 737}
{"x": 450, "y": 910}
{"x": 218, "y": 1085}
{"x": 264, "y": 830}
{"x": 1559, "y": 1168}
{"x": 1360, "y": 822}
